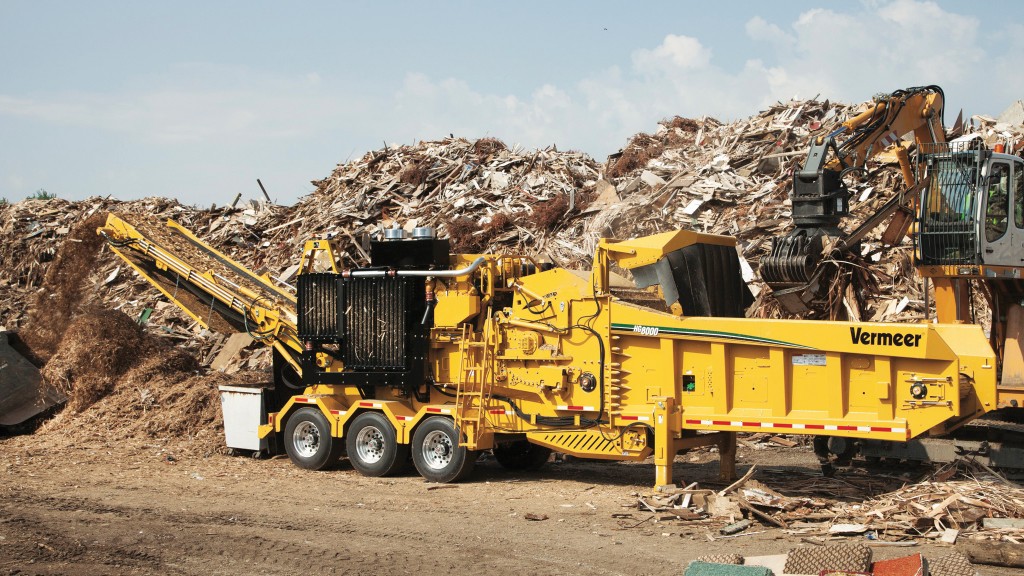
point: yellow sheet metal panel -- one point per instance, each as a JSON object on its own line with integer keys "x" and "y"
{"x": 456, "y": 305}
{"x": 867, "y": 380}
{"x": 648, "y": 249}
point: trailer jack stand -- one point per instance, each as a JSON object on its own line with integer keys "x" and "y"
{"x": 727, "y": 456}
{"x": 725, "y": 441}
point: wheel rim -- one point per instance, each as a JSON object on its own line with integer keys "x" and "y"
{"x": 437, "y": 450}
{"x": 370, "y": 445}
{"x": 306, "y": 439}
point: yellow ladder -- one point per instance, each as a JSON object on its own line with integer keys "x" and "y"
{"x": 469, "y": 386}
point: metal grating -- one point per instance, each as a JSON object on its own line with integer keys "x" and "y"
{"x": 374, "y": 318}
{"x": 317, "y": 307}
{"x": 948, "y": 221}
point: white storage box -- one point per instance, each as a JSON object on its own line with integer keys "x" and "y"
{"x": 243, "y": 413}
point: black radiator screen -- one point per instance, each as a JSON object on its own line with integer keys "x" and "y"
{"x": 370, "y": 322}
{"x": 317, "y": 302}
{"x": 375, "y": 321}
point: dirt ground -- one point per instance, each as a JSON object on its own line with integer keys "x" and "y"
{"x": 137, "y": 507}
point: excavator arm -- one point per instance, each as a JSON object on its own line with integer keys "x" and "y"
{"x": 821, "y": 199}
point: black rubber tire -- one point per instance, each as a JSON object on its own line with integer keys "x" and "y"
{"x": 308, "y": 440}
{"x": 373, "y": 447}
{"x": 521, "y": 455}
{"x": 844, "y": 449}
{"x": 436, "y": 452}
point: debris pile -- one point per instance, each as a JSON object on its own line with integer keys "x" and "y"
{"x": 734, "y": 179}
{"x": 124, "y": 383}
{"x": 942, "y": 508}
{"x": 701, "y": 174}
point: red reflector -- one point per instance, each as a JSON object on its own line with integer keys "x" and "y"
{"x": 366, "y": 404}
{"x": 434, "y": 410}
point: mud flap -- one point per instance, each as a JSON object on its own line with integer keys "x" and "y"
{"x": 703, "y": 279}
{"x": 21, "y": 394}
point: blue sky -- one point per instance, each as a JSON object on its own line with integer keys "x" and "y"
{"x": 195, "y": 100}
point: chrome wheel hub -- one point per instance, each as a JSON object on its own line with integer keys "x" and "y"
{"x": 437, "y": 450}
{"x": 370, "y": 445}
{"x": 306, "y": 439}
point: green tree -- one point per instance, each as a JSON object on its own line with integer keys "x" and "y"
{"x": 42, "y": 194}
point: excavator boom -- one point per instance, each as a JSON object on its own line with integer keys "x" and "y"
{"x": 821, "y": 199}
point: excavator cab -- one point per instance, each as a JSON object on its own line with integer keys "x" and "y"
{"x": 972, "y": 209}
{"x": 971, "y": 231}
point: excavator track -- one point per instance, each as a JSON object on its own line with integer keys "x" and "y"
{"x": 995, "y": 440}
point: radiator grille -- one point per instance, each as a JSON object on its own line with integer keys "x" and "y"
{"x": 374, "y": 319}
{"x": 317, "y": 302}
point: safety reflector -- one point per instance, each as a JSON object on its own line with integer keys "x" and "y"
{"x": 789, "y": 426}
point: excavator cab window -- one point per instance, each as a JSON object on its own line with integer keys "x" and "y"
{"x": 1004, "y": 190}
{"x": 997, "y": 207}
{"x": 1018, "y": 194}
{"x": 948, "y": 234}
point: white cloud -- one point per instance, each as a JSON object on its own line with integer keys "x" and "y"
{"x": 675, "y": 52}
{"x": 188, "y": 104}
{"x": 848, "y": 54}
{"x": 842, "y": 53}
{"x": 758, "y": 28}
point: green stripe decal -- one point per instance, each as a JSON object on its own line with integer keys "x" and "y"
{"x": 633, "y": 328}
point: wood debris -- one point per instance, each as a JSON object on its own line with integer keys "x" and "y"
{"x": 700, "y": 174}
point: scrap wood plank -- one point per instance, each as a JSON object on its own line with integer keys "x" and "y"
{"x": 782, "y": 441}
{"x": 744, "y": 505}
{"x": 993, "y": 553}
{"x": 236, "y": 342}
{"x": 739, "y": 482}
{"x": 940, "y": 508}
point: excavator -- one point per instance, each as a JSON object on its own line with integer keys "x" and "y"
{"x": 821, "y": 197}
{"x": 964, "y": 207}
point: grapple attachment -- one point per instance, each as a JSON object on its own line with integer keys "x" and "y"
{"x": 790, "y": 268}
